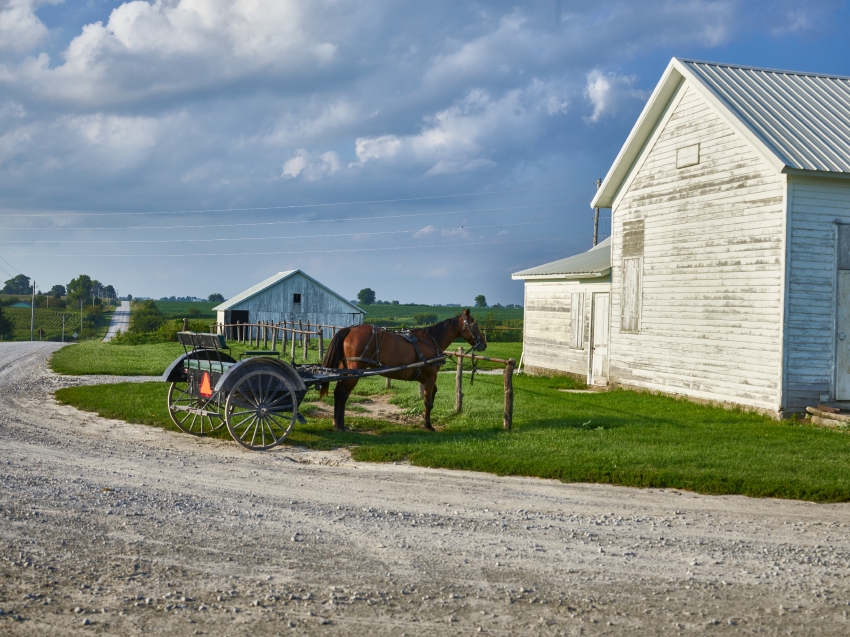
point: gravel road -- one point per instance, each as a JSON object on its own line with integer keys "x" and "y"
{"x": 110, "y": 528}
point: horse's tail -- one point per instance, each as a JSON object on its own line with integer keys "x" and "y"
{"x": 334, "y": 356}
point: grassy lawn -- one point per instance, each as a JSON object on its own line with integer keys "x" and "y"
{"x": 182, "y": 309}
{"x": 97, "y": 357}
{"x": 620, "y": 437}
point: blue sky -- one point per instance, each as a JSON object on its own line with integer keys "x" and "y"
{"x": 425, "y": 150}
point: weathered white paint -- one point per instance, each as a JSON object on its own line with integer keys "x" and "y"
{"x": 711, "y": 279}
{"x": 812, "y": 346}
{"x": 599, "y": 337}
{"x": 318, "y": 305}
{"x": 548, "y": 325}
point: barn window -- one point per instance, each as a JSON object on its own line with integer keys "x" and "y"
{"x": 687, "y": 156}
{"x": 577, "y": 320}
{"x": 296, "y": 298}
{"x": 630, "y": 320}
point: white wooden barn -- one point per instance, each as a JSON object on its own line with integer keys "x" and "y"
{"x": 730, "y": 251}
{"x": 290, "y": 296}
{"x": 566, "y": 314}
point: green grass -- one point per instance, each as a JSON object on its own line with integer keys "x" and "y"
{"x": 180, "y": 309}
{"x": 97, "y": 357}
{"x": 50, "y": 322}
{"x": 619, "y": 437}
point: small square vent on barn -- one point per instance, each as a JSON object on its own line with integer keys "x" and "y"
{"x": 290, "y": 296}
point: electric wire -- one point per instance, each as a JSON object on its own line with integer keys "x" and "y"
{"x": 344, "y": 250}
{"x": 302, "y": 221}
{"x": 288, "y": 207}
{"x": 308, "y": 236}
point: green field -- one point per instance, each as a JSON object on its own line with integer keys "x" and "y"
{"x": 50, "y": 323}
{"x": 97, "y": 357}
{"x": 405, "y": 313}
{"x": 181, "y": 309}
{"x": 618, "y": 437}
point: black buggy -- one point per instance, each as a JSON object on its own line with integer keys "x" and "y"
{"x": 256, "y": 397}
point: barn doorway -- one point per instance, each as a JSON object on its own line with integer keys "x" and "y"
{"x": 599, "y": 340}
{"x": 842, "y": 341}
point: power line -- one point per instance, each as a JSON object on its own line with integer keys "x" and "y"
{"x": 301, "y": 221}
{"x": 309, "y": 236}
{"x": 290, "y": 207}
{"x": 247, "y": 254}
{"x": 11, "y": 266}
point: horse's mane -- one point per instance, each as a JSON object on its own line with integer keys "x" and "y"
{"x": 438, "y": 330}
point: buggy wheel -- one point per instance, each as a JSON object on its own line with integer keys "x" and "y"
{"x": 192, "y": 415}
{"x": 261, "y": 409}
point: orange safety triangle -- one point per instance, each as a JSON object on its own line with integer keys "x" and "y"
{"x": 206, "y": 390}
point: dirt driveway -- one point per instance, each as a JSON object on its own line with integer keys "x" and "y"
{"x": 110, "y": 528}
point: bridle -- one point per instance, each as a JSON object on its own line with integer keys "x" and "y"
{"x": 475, "y": 334}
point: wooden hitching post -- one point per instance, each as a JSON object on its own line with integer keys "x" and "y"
{"x": 185, "y": 325}
{"x": 509, "y": 393}
{"x": 459, "y": 379}
{"x": 389, "y": 382}
{"x": 320, "y": 332}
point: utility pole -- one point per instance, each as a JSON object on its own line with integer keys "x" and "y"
{"x": 596, "y": 217}
{"x": 81, "y": 318}
{"x": 63, "y": 328}
{"x": 32, "y": 311}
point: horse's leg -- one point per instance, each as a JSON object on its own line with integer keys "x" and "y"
{"x": 342, "y": 391}
{"x": 430, "y": 383}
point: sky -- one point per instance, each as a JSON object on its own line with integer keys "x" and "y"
{"x": 424, "y": 150}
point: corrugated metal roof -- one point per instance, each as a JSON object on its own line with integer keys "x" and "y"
{"x": 272, "y": 280}
{"x": 804, "y": 118}
{"x": 596, "y": 262}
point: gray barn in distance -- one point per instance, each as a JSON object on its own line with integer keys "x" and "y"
{"x": 290, "y": 296}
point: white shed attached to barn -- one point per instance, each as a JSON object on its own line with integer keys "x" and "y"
{"x": 730, "y": 206}
{"x": 565, "y": 327}
{"x": 290, "y": 296}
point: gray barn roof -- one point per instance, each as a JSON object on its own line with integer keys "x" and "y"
{"x": 800, "y": 122}
{"x": 594, "y": 263}
{"x": 273, "y": 280}
{"x": 802, "y": 117}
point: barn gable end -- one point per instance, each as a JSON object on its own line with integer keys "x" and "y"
{"x": 697, "y": 262}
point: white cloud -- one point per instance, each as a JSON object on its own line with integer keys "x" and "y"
{"x": 427, "y": 231}
{"x": 20, "y": 28}
{"x": 311, "y": 166}
{"x": 607, "y": 91}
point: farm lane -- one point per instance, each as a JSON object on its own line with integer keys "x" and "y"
{"x": 120, "y": 321}
{"x": 111, "y": 528}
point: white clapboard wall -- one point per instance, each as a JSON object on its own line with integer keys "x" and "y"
{"x": 703, "y": 217}
{"x": 551, "y": 341}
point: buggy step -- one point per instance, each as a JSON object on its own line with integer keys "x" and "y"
{"x": 196, "y": 411}
{"x": 258, "y": 353}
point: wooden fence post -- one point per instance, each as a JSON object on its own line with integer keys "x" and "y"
{"x": 274, "y": 336}
{"x": 459, "y": 382}
{"x": 283, "y": 339}
{"x": 321, "y": 334}
{"x": 292, "y": 353}
{"x": 509, "y": 394}
{"x": 185, "y": 325}
{"x": 300, "y": 331}
{"x": 307, "y": 346}
{"x": 388, "y": 383}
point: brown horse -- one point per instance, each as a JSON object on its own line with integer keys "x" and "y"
{"x": 368, "y": 346}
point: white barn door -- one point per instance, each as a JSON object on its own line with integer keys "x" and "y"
{"x": 842, "y": 356}
{"x": 599, "y": 336}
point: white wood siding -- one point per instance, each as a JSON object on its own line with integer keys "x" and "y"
{"x": 815, "y": 206}
{"x": 317, "y": 305}
{"x": 712, "y": 276}
{"x": 548, "y": 326}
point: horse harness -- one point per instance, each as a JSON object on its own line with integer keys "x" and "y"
{"x": 377, "y": 337}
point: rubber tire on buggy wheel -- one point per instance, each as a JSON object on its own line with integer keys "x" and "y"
{"x": 193, "y": 423}
{"x": 262, "y": 403}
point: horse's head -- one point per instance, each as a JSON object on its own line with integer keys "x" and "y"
{"x": 470, "y": 332}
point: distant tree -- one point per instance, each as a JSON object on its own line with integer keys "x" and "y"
{"x": 79, "y": 289}
{"x": 193, "y": 312}
{"x": 498, "y": 305}
{"x": 58, "y": 290}
{"x": 424, "y": 318}
{"x": 109, "y": 292}
{"x": 480, "y": 301}
{"x": 18, "y": 285}
{"x": 146, "y": 317}
{"x": 7, "y": 326}
{"x": 215, "y": 298}
{"x": 129, "y": 297}
{"x": 366, "y": 296}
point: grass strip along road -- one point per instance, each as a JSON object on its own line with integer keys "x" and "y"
{"x": 618, "y": 437}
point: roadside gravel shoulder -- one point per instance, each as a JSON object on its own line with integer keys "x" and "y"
{"x": 112, "y": 528}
